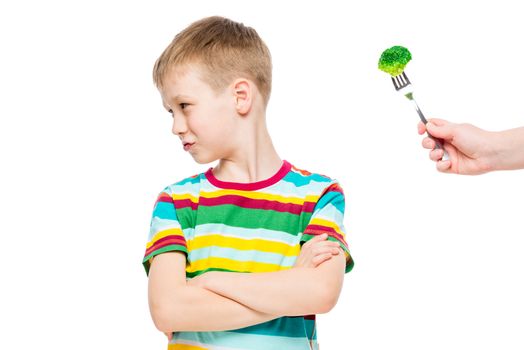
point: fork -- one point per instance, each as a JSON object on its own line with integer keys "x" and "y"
{"x": 403, "y": 85}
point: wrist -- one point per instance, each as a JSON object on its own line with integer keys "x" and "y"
{"x": 498, "y": 150}
{"x": 507, "y": 144}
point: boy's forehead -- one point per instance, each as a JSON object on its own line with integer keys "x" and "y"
{"x": 182, "y": 83}
{"x": 172, "y": 93}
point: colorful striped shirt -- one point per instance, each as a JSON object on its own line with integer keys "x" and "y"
{"x": 247, "y": 227}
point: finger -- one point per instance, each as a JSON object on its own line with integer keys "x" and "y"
{"x": 444, "y": 166}
{"x": 325, "y": 250}
{"x": 327, "y": 243}
{"x": 334, "y": 247}
{"x": 317, "y": 238}
{"x": 317, "y": 260}
{"x": 428, "y": 143}
{"x": 436, "y": 155}
{"x": 334, "y": 244}
{"x": 443, "y": 131}
{"x": 438, "y": 122}
{"x": 421, "y": 128}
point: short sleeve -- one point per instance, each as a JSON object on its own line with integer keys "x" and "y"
{"x": 328, "y": 217}
{"x": 165, "y": 233}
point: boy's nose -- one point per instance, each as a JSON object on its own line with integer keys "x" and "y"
{"x": 179, "y": 125}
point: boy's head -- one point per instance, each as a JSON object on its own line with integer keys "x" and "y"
{"x": 222, "y": 50}
{"x": 212, "y": 75}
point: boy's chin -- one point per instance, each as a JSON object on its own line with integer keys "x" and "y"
{"x": 204, "y": 160}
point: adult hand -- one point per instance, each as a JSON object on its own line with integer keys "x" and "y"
{"x": 471, "y": 150}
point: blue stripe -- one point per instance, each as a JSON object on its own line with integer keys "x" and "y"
{"x": 301, "y": 180}
{"x": 334, "y": 198}
{"x": 242, "y": 255}
{"x": 164, "y": 210}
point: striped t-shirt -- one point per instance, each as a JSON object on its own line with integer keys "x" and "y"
{"x": 247, "y": 227}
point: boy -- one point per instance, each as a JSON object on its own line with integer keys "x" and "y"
{"x": 225, "y": 260}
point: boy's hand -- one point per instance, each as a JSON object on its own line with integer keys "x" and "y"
{"x": 317, "y": 250}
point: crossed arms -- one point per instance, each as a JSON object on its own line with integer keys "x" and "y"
{"x": 217, "y": 301}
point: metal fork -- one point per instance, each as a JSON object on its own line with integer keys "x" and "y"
{"x": 403, "y": 85}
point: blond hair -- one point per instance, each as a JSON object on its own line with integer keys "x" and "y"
{"x": 224, "y": 49}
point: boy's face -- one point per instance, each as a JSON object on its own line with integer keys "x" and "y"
{"x": 200, "y": 116}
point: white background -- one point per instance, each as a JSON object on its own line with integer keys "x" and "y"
{"x": 86, "y": 147}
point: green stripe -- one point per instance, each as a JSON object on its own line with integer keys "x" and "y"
{"x": 186, "y": 217}
{"x": 167, "y": 248}
{"x": 283, "y": 326}
{"x": 199, "y": 272}
{"x": 232, "y": 215}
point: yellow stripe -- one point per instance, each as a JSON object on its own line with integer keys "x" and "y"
{"x": 244, "y": 244}
{"x": 185, "y": 196}
{"x": 233, "y": 265}
{"x": 165, "y": 233}
{"x": 184, "y": 347}
{"x": 260, "y": 195}
{"x": 323, "y": 222}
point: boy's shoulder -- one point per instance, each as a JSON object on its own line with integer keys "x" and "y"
{"x": 187, "y": 184}
{"x": 311, "y": 176}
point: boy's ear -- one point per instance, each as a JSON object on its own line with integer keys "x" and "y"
{"x": 243, "y": 93}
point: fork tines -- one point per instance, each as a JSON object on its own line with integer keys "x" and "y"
{"x": 400, "y": 81}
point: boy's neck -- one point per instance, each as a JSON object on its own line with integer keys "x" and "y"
{"x": 254, "y": 161}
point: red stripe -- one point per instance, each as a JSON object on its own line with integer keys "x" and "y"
{"x": 252, "y": 203}
{"x": 168, "y": 240}
{"x": 308, "y": 207}
{"x": 333, "y": 188}
{"x": 251, "y": 186}
{"x": 185, "y": 203}
{"x": 319, "y": 229}
{"x": 164, "y": 197}
{"x": 302, "y": 171}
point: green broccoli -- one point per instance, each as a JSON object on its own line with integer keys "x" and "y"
{"x": 394, "y": 59}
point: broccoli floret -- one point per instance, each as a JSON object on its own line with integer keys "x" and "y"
{"x": 394, "y": 59}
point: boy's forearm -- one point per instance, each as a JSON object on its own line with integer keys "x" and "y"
{"x": 511, "y": 149}
{"x": 198, "y": 309}
{"x": 293, "y": 292}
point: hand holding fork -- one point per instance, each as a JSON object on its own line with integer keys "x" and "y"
{"x": 403, "y": 85}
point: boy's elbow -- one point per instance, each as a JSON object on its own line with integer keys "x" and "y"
{"x": 330, "y": 286}
{"x": 327, "y": 301}
{"x": 165, "y": 317}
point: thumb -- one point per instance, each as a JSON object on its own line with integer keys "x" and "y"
{"x": 444, "y": 131}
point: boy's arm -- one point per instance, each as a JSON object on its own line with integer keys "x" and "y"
{"x": 175, "y": 306}
{"x": 293, "y": 292}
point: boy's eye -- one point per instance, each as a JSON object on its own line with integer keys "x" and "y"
{"x": 183, "y": 105}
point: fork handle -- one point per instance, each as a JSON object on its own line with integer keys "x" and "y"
{"x": 438, "y": 142}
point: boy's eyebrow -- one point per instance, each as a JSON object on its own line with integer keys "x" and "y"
{"x": 179, "y": 96}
